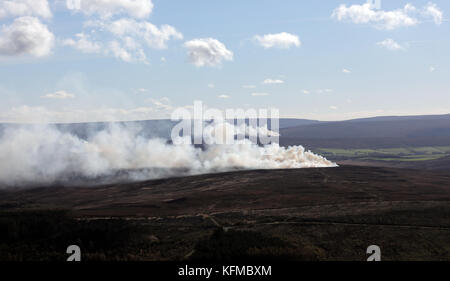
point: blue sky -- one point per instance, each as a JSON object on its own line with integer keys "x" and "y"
{"x": 70, "y": 61}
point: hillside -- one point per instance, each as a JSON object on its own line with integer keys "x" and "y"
{"x": 419, "y": 127}
{"x": 300, "y": 214}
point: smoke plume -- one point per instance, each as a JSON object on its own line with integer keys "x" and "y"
{"x": 44, "y": 154}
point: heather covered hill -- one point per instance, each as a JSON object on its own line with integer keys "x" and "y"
{"x": 297, "y": 214}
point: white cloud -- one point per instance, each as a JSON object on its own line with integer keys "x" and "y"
{"x": 83, "y": 44}
{"x": 120, "y": 52}
{"x": 281, "y": 40}
{"x": 142, "y": 90}
{"x": 161, "y": 104}
{"x": 388, "y": 20}
{"x": 165, "y": 99}
{"x": 432, "y": 69}
{"x": 130, "y": 37}
{"x": 125, "y": 38}
{"x": 333, "y": 107}
{"x": 26, "y": 36}
{"x": 223, "y": 96}
{"x": 108, "y": 8}
{"x": 318, "y": 91}
{"x": 433, "y": 11}
{"x": 259, "y": 94}
{"x": 18, "y": 8}
{"x": 344, "y": 70}
{"x": 273, "y": 81}
{"x": 149, "y": 33}
{"x": 390, "y": 44}
{"x": 59, "y": 95}
{"x": 130, "y": 54}
{"x": 207, "y": 52}
{"x": 211, "y": 85}
{"x": 367, "y": 14}
{"x": 321, "y": 91}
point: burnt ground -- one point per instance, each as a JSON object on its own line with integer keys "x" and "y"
{"x": 298, "y": 214}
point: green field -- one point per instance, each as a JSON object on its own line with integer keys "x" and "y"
{"x": 388, "y": 154}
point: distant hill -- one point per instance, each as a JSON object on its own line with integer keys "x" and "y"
{"x": 286, "y": 123}
{"x": 399, "y": 127}
{"x": 386, "y": 131}
{"x": 402, "y": 118}
{"x": 375, "y": 132}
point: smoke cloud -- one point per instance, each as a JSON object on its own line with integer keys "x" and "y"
{"x": 43, "y": 154}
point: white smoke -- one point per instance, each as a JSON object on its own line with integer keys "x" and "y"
{"x": 42, "y": 154}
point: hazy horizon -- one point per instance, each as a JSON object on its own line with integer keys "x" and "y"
{"x": 168, "y": 119}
